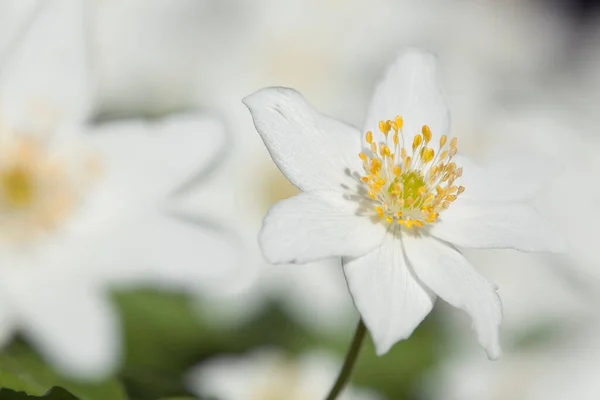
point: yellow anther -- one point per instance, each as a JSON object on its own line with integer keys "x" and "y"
{"x": 369, "y": 137}
{"x": 399, "y": 122}
{"x": 461, "y": 188}
{"x": 394, "y": 126}
{"x": 426, "y": 133}
{"x": 428, "y": 155}
{"x": 417, "y": 141}
{"x": 443, "y": 140}
{"x": 451, "y": 197}
{"x": 384, "y": 127}
{"x": 453, "y": 142}
{"x": 374, "y": 147}
{"x": 397, "y": 170}
{"x": 384, "y": 150}
{"x": 389, "y": 220}
{"x": 362, "y": 156}
{"x": 407, "y": 162}
{"x": 396, "y": 138}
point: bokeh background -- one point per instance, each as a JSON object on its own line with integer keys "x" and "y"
{"x": 519, "y": 76}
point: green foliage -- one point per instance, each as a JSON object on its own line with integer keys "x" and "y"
{"x": 54, "y": 394}
{"x": 165, "y": 336}
{"x": 21, "y": 370}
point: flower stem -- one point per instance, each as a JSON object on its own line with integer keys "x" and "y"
{"x": 349, "y": 362}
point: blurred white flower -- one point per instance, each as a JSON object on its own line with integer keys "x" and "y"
{"x": 550, "y": 330}
{"x": 80, "y": 211}
{"x": 269, "y": 374}
{"x": 237, "y": 197}
{"x": 84, "y": 207}
{"x": 394, "y": 210}
{"x": 562, "y": 368}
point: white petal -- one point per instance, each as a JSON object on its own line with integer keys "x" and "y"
{"x": 485, "y": 225}
{"x": 174, "y": 250}
{"x": 165, "y": 250}
{"x": 410, "y": 89}
{"x": 70, "y": 322}
{"x": 34, "y": 97}
{"x": 445, "y": 271}
{"x": 389, "y": 297}
{"x": 154, "y": 158}
{"x": 314, "y": 151}
{"x": 317, "y": 225}
{"x": 518, "y": 177}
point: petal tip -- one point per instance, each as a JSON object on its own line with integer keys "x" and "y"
{"x": 382, "y": 347}
{"x": 263, "y": 95}
{"x": 494, "y": 353}
{"x": 414, "y": 56}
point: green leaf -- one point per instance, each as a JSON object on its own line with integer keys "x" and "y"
{"x": 165, "y": 336}
{"x": 176, "y": 398}
{"x": 54, "y": 394}
{"x": 21, "y": 370}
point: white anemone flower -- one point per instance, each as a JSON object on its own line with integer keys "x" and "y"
{"x": 79, "y": 213}
{"x": 267, "y": 374}
{"x": 83, "y": 207}
{"x": 396, "y": 207}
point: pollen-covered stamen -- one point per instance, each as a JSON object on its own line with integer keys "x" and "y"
{"x": 410, "y": 187}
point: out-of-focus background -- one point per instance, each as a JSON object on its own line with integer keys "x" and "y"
{"x": 519, "y": 76}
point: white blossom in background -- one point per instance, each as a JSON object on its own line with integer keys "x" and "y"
{"x": 270, "y": 374}
{"x": 86, "y": 207}
{"x": 397, "y": 205}
{"x": 550, "y": 325}
{"x": 147, "y": 53}
{"x": 562, "y": 368}
{"x": 237, "y": 197}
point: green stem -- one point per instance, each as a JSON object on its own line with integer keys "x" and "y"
{"x": 349, "y": 362}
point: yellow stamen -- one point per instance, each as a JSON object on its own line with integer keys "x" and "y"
{"x": 410, "y": 190}
{"x": 417, "y": 141}
{"x": 399, "y": 122}
{"x": 426, "y": 133}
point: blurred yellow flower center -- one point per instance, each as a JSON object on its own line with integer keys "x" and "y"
{"x": 17, "y": 187}
{"x": 409, "y": 187}
{"x": 36, "y": 189}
